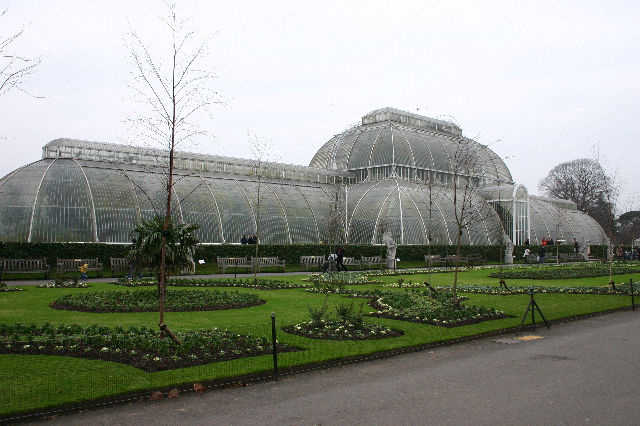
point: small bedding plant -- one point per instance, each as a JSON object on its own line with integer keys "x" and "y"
{"x": 347, "y": 324}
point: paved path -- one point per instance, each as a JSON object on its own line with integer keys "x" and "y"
{"x": 582, "y": 372}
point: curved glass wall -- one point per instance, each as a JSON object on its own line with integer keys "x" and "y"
{"x": 64, "y": 200}
{"x": 393, "y": 172}
{"x": 548, "y": 220}
{"x": 415, "y": 212}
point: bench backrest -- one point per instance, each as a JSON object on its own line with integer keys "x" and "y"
{"x": 311, "y": 260}
{"x": 268, "y": 260}
{"x": 231, "y": 261}
{"x": 24, "y": 264}
{"x": 371, "y": 259}
{"x": 76, "y": 263}
{"x": 434, "y": 257}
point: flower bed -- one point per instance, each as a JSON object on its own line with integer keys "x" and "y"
{"x": 341, "y": 330}
{"x": 621, "y": 289}
{"x": 66, "y": 284}
{"x": 565, "y": 272}
{"x": 340, "y": 278}
{"x": 416, "y": 306}
{"x": 137, "y": 346}
{"x": 259, "y": 284}
{"x": 6, "y": 289}
{"x": 147, "y": 301}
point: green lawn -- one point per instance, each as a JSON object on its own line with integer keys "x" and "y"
{"x": 31, "y": 382}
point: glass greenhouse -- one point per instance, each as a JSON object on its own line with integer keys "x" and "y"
{"x": 396, "y": 171}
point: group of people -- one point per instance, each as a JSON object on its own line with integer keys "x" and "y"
{"x": 622, "y": 254}
{"x": 335, "y": 260}
{"x": 251, "y": 239}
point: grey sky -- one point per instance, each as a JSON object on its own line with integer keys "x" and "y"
{"x": 550, "y": 80}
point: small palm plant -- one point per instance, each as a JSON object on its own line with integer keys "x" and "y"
{"x": 147, "y": 248}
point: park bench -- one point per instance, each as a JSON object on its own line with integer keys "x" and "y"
{"x": 25, "y": 266}
{"x": 434, "y": 259}
{"x": 475, "y": 259}
{"x": 73, "y": 265}
{"x": 118, "y": 264}
{"x": 267, "y": 262}
{"x": 350, "y": 261}
{"x": 452, "y": 258}
{"x": 235, "y": 262}
{"x": 370, "y": 261}
{"x": 571, "y": 257}
{"x": 311, "y": 262}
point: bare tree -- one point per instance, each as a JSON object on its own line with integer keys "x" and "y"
{"x": 334, "y": 220}
{"x": 175, "y": 92}
{"x": 467, "y": 173}
{"x": 585, "y": 182}
{"x": 14, "y": 68}
{"x": 261, "y": 151}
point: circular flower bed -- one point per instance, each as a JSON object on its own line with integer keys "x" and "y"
{"x": 66, "y": 284}
{"x": 565, "y": 272}
{"x": 418, "y": 307}
{"x": 341, "y": 330}
{"x": 340, "y": 278}
{"x": 259, "y": 284}
{"x": 136, "y": 346}
{"x": 147, "y": 301}
{"x": 6, "y": 289}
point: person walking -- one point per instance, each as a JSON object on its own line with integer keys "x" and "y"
{"x": 340, "y": 259}
{"x": 541, "y": 253}
{"x": 83, "y": 272}
{"x": 527, "y": 252}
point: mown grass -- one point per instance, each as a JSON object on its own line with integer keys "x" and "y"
{"x": 30, "y": 382}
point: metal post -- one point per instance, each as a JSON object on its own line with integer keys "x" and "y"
{"x": 633, "y": 302}
{"x": 275, "y": 346}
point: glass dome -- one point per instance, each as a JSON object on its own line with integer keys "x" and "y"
{"x": 415, "y": 147}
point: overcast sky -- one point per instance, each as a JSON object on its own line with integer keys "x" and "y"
{"x": 541, "y": 82}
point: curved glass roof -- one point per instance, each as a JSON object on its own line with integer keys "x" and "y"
{"x": 63, "y": 200}
{"x": 412, "y": 212}
{"x": 550, "y": 220}
{"x": 393, "y": 137}
{"x": 379, "y": 171}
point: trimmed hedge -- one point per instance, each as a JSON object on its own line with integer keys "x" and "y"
{"x": 289, "y": 252}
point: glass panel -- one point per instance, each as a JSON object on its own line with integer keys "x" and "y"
{"x": 63, "y": 211}
{"x": 17, "y": 194}
{"x": 235, "y": 212}
{"x": 199, "y": 207}
{"x": 115, "y": 203}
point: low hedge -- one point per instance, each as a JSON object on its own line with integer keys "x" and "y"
{"x": 289, "y": 252}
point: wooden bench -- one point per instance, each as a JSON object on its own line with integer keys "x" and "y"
{"x": 571, "y": 257}
{"x": 267, "y": 262}
{"x": 475, "y": 259}
{"x": 25, "y": 266}
{"x": 433, "y": 259}
{"x": 73, "y": 265}
{"x": 370, "y": 261}
{"x": 234, "y": 262}
{"x": 350, "y": 261}
{"x": 452, "y": 259}
{"x": 119, "y": 264}
{"x": 311, "y": 262}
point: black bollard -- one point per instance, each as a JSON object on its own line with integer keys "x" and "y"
{"x": 633, "y": 302}
{"x": 275, "y": 346}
